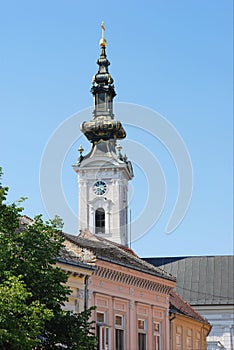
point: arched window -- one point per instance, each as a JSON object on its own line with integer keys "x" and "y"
{"x": 100, "y": 220}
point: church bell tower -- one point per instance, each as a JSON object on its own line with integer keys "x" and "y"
{"x": 103, "y": 173}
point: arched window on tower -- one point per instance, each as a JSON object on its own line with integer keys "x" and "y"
{"x": 100, "y": 220}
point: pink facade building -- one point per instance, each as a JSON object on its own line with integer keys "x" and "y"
{"x": 136, "y": 305}
{"x": 130, "y": 295}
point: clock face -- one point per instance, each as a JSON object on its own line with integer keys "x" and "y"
{"x": 99, "y": 187}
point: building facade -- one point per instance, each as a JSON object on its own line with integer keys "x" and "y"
{"x": 136, "y": 305}
{"x": 189, "y": 330}
{"x": 206, "y": 283}
{"x": 130, "y": 295}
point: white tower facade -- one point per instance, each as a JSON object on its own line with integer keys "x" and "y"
{"x": 103, "y": 173}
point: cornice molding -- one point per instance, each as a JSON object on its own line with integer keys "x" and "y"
{"x": 130, "y": 280}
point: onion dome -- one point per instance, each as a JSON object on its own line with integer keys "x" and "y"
{"x": 103, "y": 126}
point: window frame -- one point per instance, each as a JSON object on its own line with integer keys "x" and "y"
{"x": 119, "y": 328}
{"x": 103, "y": 332}
{"x": 157, "y": 336}
{"x": 142, "y": 333}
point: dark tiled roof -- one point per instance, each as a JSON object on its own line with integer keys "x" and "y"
{"x": 70, "y": 258}
{"x": 66, "y": 256}
{"x": 180, "y": 306}
{"x": 201, "y": 280}
{"x": 116, "y": 253}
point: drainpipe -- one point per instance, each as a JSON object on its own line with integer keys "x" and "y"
{"x": 86, "y": 296}
{"x": 172, "y": 316}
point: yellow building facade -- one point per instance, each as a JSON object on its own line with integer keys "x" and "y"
{"x": 79, "y": 266}
{"x": 188, "y": 329}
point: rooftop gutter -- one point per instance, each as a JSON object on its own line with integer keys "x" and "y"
{"x": 78, "y": 264}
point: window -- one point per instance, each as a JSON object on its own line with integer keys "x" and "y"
{"x": 73, "y": 303}
{"x": 178, "y": 338}
{"x": 178, "y": 342}
{"x": 101, "y": 97}
{"x": 141, "y": 324}
{"x": 100, "y": 317}
{"x": 109, "y": 103}
{"x": 198, "y": 341}
{"x": 103, "y": 334}
{"x": 100, "y": 221}
{"x": 119, "y": 332}
{"x": 141, "y": 341}
{"x": 141, "y": 334}
{"x": 100, "y": 101}
{"x": 189, "y": 339}
{"x": 157, "y": 336}
{"x": 76, "y": 307}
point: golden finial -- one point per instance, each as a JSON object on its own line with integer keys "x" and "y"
{"x": 119, "y": 147}
{"x": 80, "y": 149}
{"x": 103, "y": 40}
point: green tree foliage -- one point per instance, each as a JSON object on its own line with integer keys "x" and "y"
{"x": 32, "y": 288}
{"x": 20, "y": 321}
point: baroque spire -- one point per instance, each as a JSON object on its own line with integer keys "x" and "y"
{"x": 103, "y": 126}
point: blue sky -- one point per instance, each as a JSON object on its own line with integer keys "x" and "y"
{"x": 174, "y": 57}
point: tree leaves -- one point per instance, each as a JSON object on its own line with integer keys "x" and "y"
{"x": 32, "y": 289}
{"x": 20, "y": 321}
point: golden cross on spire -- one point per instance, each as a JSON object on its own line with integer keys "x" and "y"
{"x": 103, "y": 40}
{"x": 103, "y": 29}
